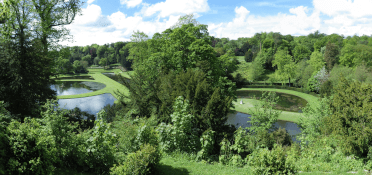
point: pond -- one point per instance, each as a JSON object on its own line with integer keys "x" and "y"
{"x": 240, "y": 119}
{"x": 76, "y": 87}
{"x": 287, "y": 102}
{"x": 115, "y": 77}
{"x": 92, "y": 104}
{"x": 76, "y": 77}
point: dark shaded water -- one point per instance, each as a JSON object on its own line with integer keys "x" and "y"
{"x": 287, "y": 102}
{"x": 240, "y": 119}
{"x": 115, "y": 77}
{"x": 92, "y": 104}
{"x": 76, "y": 87}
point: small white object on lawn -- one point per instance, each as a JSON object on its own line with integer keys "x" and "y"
{"x": 241, "y": 102}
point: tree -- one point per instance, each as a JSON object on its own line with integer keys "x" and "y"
{"x": 331, "y": 55}
{"x": 187, "y": 19}
{"x": 286, "y": 65}
{"x": 355, "y": 55}
{"x": 103, "y": 62}
{"x": 351, "y": 117}
{"x": 87, "y": 58}
{"x": 248, "y": 57}
{"x": 263, "y": 116}
{"x": 300, "y": 52}
{"x": 316, "y": 60}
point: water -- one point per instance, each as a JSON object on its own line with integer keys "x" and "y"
{"x": 287, "y": 102}
{"x": 76, "y": 87}
{"x": 240, "y": 119}
{"x": 92, "y": 104}
{"x": 76, "y": 77}
{"x": 115, "y": 77}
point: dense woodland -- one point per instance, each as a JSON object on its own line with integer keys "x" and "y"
{"x": 183, "y": 86}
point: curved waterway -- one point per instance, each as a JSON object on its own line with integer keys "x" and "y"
{"x": 76, "y": 87}
{"x": 239, "y": 119}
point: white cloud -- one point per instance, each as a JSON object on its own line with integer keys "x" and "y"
{"x": 356, "y": 8}
{"x": 246, "y": 25}
{"x": 131, "y": 3}
{"x": 93, "y": 27}
{"x": 90, "y": 1}
{"x": 175, "y": 7}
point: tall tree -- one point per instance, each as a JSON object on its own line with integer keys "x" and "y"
{"x": 286, "y": 65}
{"x": 27, "y": 68}
{"x": 331, "y": 55}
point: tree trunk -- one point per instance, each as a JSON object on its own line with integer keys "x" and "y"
{"x": 289, "y": 82}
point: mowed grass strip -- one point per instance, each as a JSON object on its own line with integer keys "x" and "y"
{"x": 111, "y": 85}
{"x": 248, "y": 104}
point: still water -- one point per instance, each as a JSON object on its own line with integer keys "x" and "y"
{"x": 240, "y": 119}
{"x": 92, "y": 104}
{"x": 76, "y": 87}
{"x": 287, "y": 102}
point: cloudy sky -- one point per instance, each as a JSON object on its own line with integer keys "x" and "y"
{"x": 107, "y": 21}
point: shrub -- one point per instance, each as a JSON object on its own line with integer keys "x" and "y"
{"x": 207, "y": 145}
{"x": 32, "y": 149}
{"x": 264, "y": 161}
{"x": 142, "y": 161}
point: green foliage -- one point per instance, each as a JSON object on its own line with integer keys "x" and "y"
{"x": 316, "y": 60}
{"x": 256, "y": 70}
{"x": 141, "y": 162}
{"x": 181, "y": 135}
{"x": 301, "y": 52}
{"x": 311, "y": 121}
{"x": 263, "y": 116}
{"x": 275, "y": 161}
{"x": 285, "y": 64}
{"x": 336, "y": 72}
{"x": 207, "y": 145}
{"x": 355, "y": 55}
{"x": 331, "y": 55}
{"x": 351, "y": 117}
{"x": 248, "y": 57}
{"x": 324, "y": 154}
{"x": 32, "y": 149}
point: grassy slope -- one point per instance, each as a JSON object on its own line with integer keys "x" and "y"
{"x": 248, "y": 104}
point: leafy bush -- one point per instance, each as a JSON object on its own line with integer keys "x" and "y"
{"x": 263, "y": 116}
{"x": 181, "y": 135}
{"x": 207, "y": 145}
{"x": 142, "y": 161}
{"x": 32, "y": 149}
{"x": 351, "y": 118}
{"x": 264, "y": 161}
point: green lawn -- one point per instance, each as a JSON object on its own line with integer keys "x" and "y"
{"x": 248, "y": 104}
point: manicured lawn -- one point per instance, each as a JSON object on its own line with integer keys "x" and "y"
{"x": 248, "y": 104}
{"x": 111, "y": 85}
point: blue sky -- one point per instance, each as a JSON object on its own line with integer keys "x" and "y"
{"x": 106, "y": 21}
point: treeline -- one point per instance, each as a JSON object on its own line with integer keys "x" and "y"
{"x": 77, "y": 59}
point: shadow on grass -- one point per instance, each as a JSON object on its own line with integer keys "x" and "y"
{"x": 166, "y": 169}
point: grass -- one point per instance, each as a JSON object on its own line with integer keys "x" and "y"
{"x": 240, "y": 59}
{"x": 111, "y": 85}
{"x": 181, "y": 164}
{"x": 248, "y": 104}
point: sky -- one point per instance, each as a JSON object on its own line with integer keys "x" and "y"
{"x": 108, "y": 21}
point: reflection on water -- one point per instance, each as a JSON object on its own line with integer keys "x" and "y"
{"x": 76, "y": 87}
{"x": 240, "y": 119}
{"x": 287, "y": 102}
{"x": 92, "y": 104}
